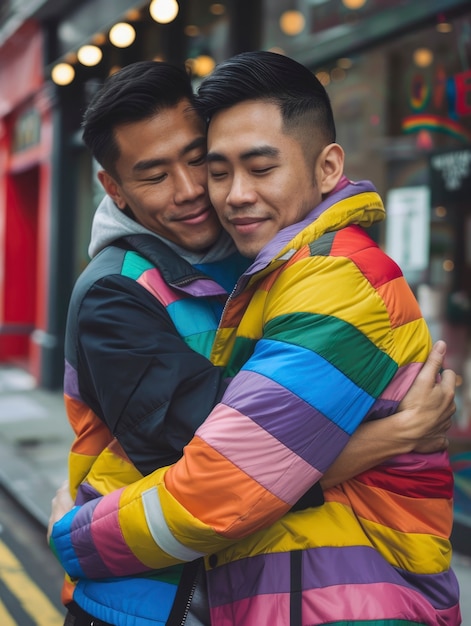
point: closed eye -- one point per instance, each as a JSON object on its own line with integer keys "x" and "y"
{"x": 200, "y": 160}
{"x": 263, "y": 170}
{"x": 159, "y": 178}
{"x": 217, "y": 175}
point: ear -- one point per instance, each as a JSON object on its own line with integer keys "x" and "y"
{"x": 330, "y": 167}
{"x": 112, "y": 188}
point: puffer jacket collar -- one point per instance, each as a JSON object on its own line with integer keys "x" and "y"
{"x": 176, "y": 271}
{"x": 349, "y": 203}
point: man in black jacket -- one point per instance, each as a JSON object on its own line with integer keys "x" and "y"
{"x": 138, "y": 381}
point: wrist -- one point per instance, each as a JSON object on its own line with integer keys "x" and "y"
{"x": 403, "y": 433}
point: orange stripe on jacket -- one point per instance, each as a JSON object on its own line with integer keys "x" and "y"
{"x": 398, "y": 512}
{"x": 221, "y": 514}
{"x": 92, "y": 433}
{"x": 401, "y": 305}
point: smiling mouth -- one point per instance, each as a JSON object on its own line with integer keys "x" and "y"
{"x": 196, "y": 218}
{"x": 246, "y": 226}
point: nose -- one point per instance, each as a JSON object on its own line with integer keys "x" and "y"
{"x": 241, "y": 191}
{"x": 190, "y": 184}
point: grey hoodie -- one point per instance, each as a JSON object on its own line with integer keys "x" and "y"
{"x": 110, "y": 223}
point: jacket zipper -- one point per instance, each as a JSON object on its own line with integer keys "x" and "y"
{"x": 189, "y": 599}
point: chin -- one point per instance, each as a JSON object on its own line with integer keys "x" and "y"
{"x": 248, "y": 251}
{"x": 204, "y": 243}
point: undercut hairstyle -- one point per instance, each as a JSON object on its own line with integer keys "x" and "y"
{"x": 136, "y": 92}
{"x": 303, "y": 102}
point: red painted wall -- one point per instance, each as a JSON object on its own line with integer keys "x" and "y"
{"x": 24, "y": 197}
{"x": 20, "y": 261}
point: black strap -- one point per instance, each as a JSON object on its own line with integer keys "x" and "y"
{"x": 186, "y": 588}
{"x": 296, "y": 589}
{"x": 82, "y": 618}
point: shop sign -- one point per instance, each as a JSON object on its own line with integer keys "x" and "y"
{"x": 453, "y": 92}
{"x": 451, "y": 175}
{"x": 26, "y": 131}
{"x": 408, "y": 227}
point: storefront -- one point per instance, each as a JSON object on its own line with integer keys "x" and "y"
{"x": 25, "y": 154}
{"x": 399, "y": 77}
{"x": 449, "y": 276}
{"x": 398, "y": 73}
{"x": 409, "y": 130}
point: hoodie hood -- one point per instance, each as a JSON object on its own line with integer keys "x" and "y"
{"x": 110, "y": 224}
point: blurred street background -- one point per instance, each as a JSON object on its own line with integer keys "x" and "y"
{"x": 398, "y": 73}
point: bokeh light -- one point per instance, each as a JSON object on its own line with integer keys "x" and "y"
{"x": 163, "y": 11}
{"x": 292, "y": 22}
{"x": 191, "y": 30}
{"x": 63, "y": 74}
{"x": 89, "y": 55}
{"x": 423, "y": 57}
{"x": 353, "y": 4}
{"x": 122, "y": 35}
{"x": 323, "y": 77}
{"x": 203, "y": 65}
{"x": 217, "y": 8}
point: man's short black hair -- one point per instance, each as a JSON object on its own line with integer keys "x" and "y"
{"x": 134, "y": 93}
{"x": 263, "y": 75}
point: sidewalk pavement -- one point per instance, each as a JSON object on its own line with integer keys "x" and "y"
{"x": 35, "y": 438}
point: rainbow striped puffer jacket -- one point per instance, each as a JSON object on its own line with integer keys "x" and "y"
{"x": 321, "y": 334}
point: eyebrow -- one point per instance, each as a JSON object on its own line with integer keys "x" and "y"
{"x": 147, "y": 164}
{"x": 260, "y": 151}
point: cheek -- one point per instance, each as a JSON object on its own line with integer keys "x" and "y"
{"x": 154, "y": 200}
{"x": 290, "y": 210}
{"x": 303, "y": 199}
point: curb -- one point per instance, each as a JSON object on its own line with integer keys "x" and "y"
{"x": 25, "y": 485}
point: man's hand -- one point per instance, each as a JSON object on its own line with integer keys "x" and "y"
{"x": 429, "y": 404}
{"x": 61, "y": 504}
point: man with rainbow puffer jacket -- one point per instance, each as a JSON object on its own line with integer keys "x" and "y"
{"x": 266, "y": 441}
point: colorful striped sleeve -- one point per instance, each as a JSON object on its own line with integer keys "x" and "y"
{"x": 332, "y": 342}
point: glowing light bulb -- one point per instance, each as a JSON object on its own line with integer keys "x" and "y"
{"x": 163, "y": 11}
{"x": 63, "y": 74}
{"x": 89, "y": 55}
{"x": 122, "y": 35}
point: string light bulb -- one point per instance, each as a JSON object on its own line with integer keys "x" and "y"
{"x": 163, "y": 11}
{"x": 122, "y": 35}
{"x": 63, "y": 74}
{"x": 89, "y": 55}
